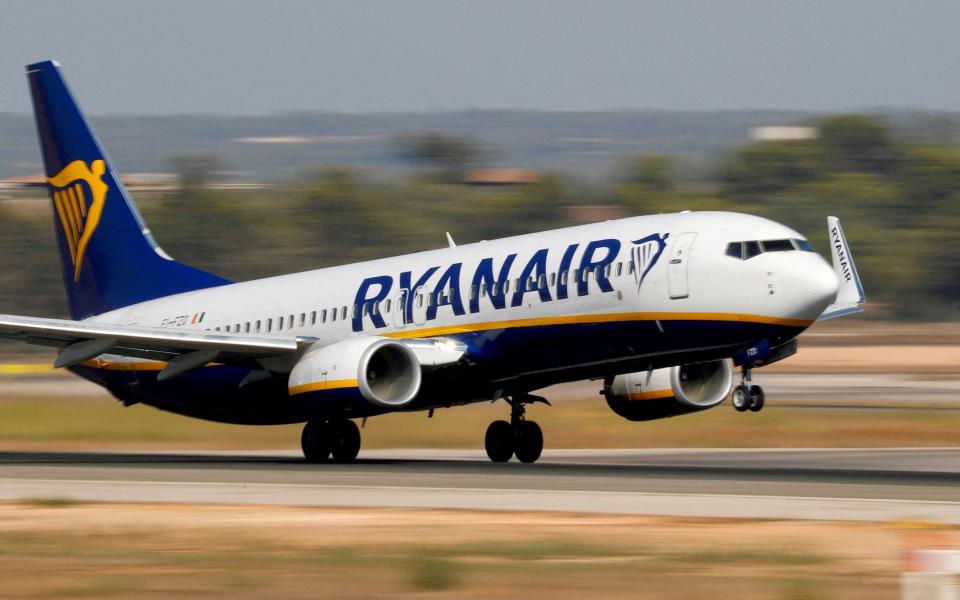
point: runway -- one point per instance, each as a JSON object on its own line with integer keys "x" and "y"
{"x": 834, "y": 484}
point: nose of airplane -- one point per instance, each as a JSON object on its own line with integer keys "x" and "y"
{"x": 813, "y": 286}
{"x": 821, "y": 282}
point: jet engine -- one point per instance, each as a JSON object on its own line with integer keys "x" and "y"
{"x": 386, "y": 372}
{"x": 661, "y": 393}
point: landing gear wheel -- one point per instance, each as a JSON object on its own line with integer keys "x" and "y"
{"x": 499, "y": 441}
{"x": 741, "y": 398}
{"x": 529, "y": 441}
{"x": 756, "y": 398}
{"x": 345, "y": 441}
{"x": 315, "y": 441}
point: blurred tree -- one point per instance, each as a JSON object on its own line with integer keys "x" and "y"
{"x": 929, "y": 176}
{"x": 770, "y": 167}
{"x": 194, "y": 172}
{"x": 652, "y": 171}
{"x": 450, "y": 155}
{"x": 856, "y": 143}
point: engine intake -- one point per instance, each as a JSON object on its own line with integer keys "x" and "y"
{"x": 385, "y": 372}
{"x": 661, "y": 393}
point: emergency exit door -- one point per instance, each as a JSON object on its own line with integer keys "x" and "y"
{"x": 677, "y": 282}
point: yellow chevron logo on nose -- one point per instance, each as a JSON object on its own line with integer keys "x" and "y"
{"x": 78, "y": 216}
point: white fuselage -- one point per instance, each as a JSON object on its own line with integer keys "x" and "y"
{"x": 683, "y": 282}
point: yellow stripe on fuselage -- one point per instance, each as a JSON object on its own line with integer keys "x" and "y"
{"x": 320, "y": 386}
{"x": 599, "y": 318}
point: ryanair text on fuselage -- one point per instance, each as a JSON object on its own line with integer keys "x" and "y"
{"x": 494, "y": 281}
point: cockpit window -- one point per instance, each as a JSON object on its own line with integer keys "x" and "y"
{"x": 749, "y": 249}
{"x": 777, "y": 245}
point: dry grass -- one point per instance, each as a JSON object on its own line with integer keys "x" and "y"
{"x": 145, "y": 551}
{"x": 101, "y": 423}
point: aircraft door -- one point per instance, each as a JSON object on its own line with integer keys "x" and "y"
{"x": 679, "y": 258}
{"x": 400, "y": 311}
{"x": 420, "y": 306}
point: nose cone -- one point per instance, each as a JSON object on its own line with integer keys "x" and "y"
{"x": 812, "y": 286}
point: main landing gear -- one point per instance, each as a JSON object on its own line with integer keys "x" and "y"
{"x": 519, "y": 437}
{"x": 747, "y": 396}
{"x": 338, "y": 439}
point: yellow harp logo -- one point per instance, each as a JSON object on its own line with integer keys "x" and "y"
{"x": 78, "y": 196}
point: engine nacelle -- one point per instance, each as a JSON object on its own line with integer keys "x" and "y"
{"x": 661, "y": 393}
{"x": 384, "y": 372}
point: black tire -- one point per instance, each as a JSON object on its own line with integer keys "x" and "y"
{"x": 756, "y": 398}
{"x": 499, "y": 441}
{"x": 315, "y": 441}
{"x": 740, "y": 398}
{"x": 529, "y": 441}
{"x": 346, "y": 442}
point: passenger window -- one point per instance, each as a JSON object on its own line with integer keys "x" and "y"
{"x": 237, "y": 327}
{"x": 269, "y": 325}
{"x": 751, "y": 249}
{"x": 553, "y": 279}
{"x": 366, "y": 309}
{"x": 257, "y": 327}
{"x": 542, "y": 282}
{"x": 483, "y": 290}
{"x": 343, "y": 313}
{"x": 387, "y": 305}
{"x": 303, "y": 319}
{"x": 323, "y": 316}
{"x": 506, "y": 287}
{"x": 246, "y": 327}
{"x": 290, "y": 322}
{"x": 353, "y": 312}
{"x": 313, "y": 317}
{"x": 216, "y": 329}
{"x": 735, "y": 249}
{"x": 630, "y": 268}
{"x": 606, "y": 271}
{"x": 563, "y": 278}
{"x": 280, "y": 323}
{"x": 333, "y": 314}
{"x": 619, "y": 268}
{"x": 777, "y": 245}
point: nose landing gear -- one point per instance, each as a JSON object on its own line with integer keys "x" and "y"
{"x": 519, "y": 437}
{"x": 747, "y": 396}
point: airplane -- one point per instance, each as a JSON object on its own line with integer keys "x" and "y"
{"x": 659, "y": 308}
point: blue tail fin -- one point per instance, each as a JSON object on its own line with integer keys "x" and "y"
{"x": 108, "y": 257}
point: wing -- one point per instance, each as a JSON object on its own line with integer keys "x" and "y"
{"x": 183, "y": 350}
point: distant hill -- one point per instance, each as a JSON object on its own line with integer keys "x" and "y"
{"x": 278, "y": 146}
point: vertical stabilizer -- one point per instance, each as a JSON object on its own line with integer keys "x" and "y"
{"x": 108, "y": 257}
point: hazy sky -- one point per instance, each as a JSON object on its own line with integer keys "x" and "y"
{"x": 355, "y": 56}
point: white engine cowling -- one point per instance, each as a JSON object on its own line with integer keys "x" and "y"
{"x": 386, "y": 372}
{"x": 661, "y": 393}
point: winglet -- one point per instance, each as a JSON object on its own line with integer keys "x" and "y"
{"x": 850, "y": 297}
{"x": 450, "y": 241}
